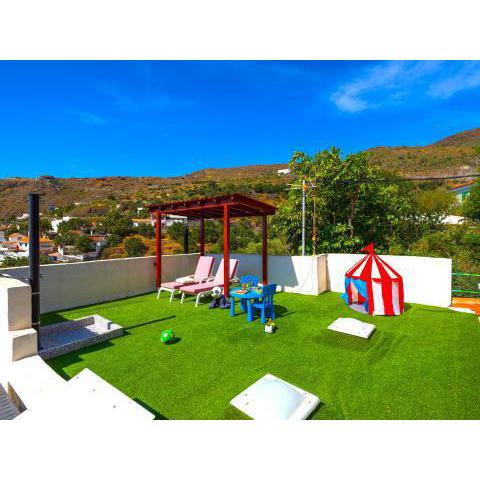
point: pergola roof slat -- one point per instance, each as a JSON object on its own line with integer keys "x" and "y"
{"x": 212, "y": 207}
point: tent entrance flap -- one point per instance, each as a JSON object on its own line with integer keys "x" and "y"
{"x": 356, "y": 292}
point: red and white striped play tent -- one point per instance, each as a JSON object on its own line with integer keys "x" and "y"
{"x": 372, "y": 286}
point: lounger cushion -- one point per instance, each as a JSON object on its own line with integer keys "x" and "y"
{"x": 216, "y": 282}
{"x": 173, "y": 285}
{"x": 200, "y": 287}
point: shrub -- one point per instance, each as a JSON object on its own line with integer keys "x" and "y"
{"x": 134, "y": 247}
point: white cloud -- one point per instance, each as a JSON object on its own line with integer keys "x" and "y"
{"x": 464, "y": 76}
{"x": 142, "y": 103}
{"x": 386, "y": 83}
{"x": 399, "y": 82}
{"x": 89, "y": 118}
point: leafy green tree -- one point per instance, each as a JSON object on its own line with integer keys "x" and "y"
{"x": 438, "y": 201}
{"x": 461, "y": 243}
{"x": 67, "y": 238}
{"x": 135, "y": 247}
{"x": 11, "y": 261}
{"x": 349, "y": 204}
{"x": 471, "y": 206}
{"x": 213, "y": 233}
{"x": 116, "y": 222}
{"x": 76, "y": 223}
{"x": 83, "y": 244}
{"x": 275, "y": 246}
{"x": 14, "y": 261}
{"x": 146, "y": 230}
{"x": 113, "y": 240}
{"x": 22, "y": 227}
{"x": 11, "y": 230}
{"x": 175, "y": 231}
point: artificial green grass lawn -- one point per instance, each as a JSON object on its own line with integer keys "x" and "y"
{"x": 424, "y": 364}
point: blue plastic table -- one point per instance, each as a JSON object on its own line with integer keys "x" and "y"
{"x": 246, "y": 298}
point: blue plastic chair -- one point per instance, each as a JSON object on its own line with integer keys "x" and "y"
{"x": 265, "y": 305}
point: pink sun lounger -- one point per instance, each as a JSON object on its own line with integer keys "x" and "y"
{"x": 202, "y": 273}
{"x": 204, "y": 288}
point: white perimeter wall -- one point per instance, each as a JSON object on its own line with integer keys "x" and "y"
{"x": 425, "y": 280}
{"x": 292, "y": 274}
{"x": 76, "y": 284}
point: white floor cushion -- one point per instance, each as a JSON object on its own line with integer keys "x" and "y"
{"x": 352, "y": 326}
{"x": 271, "y": 398}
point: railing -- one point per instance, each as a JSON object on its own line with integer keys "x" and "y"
{"x": 464, "y": 283}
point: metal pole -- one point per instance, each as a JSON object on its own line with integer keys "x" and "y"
{"x": 303, "y": 217}
{"x": 34, "y": 259}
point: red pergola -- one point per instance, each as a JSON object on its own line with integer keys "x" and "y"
{"x": 226, "y": 207}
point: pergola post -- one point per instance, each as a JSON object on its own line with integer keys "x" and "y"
{"x": 264, "y": 250}
{"x": 202, "y": 236}
{"x": 158, "y": 239}
{"x": 226, "y": 250}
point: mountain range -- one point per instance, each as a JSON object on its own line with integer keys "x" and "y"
{"x": 457, "y": 154}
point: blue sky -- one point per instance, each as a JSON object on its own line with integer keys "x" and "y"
{"x": 164, "y": 118}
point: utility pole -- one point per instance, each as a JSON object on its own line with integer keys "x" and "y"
{"x": 304, "y": 187}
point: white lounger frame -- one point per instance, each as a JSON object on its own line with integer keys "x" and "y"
{"x": 171, "y": 290}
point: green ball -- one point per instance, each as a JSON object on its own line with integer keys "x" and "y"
{"x": 167, "y": 336}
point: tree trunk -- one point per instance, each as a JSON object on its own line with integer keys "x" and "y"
{"x": 353, "y": 204}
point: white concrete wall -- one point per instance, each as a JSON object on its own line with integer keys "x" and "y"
{"x": 293, "y": 274}
{"x": 426, "y": 280}
{"x": 71, "y": 285}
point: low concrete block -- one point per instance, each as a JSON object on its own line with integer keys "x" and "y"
{"x": 15, "y": 304}
{"x": 23, "y": 343}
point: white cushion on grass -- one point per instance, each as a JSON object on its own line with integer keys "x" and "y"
{"x": 271, "y": 398}
{"x": 352, "y": 326}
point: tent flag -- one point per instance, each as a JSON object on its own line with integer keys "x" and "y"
{"x": 375, "y": 285}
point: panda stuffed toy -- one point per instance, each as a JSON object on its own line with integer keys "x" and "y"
{"x": 219, "y": 299}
